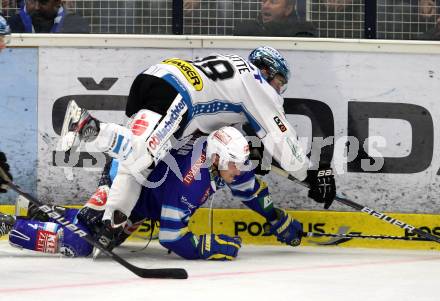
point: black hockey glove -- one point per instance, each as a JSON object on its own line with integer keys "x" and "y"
{"x": 256, "y": 157}
{"x": 322, "y": 186}
{"x": 4, "y": 173}
{"x": 109, "y": 233}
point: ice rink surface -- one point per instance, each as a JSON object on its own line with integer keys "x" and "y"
{"x": 260, "y": 273}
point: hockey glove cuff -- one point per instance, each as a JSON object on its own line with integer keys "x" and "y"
{"x": 286, "y": 229}
{"x": 256, "y": 157}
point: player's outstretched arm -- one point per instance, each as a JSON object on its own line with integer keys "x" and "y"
{"x": 175, "y": 236}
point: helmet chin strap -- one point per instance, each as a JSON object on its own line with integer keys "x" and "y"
{"x": 218, "y": 162}
{"x": 266, "y": 74}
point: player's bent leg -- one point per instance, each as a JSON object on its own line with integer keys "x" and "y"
{"x": 48, "y": 237}
{"x": 123, "y": 195}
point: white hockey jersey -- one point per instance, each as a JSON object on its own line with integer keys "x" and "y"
{"x": 221, "y": 90}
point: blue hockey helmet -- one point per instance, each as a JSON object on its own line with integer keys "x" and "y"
{"x": 269, "y": 58}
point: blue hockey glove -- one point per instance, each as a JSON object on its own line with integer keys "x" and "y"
{"x": 286, "y": 229}
{"x": 218, "y": 247}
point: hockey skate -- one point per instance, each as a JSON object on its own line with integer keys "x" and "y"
{"x": 78, "y": 126}
{"x": 6, "y": 223}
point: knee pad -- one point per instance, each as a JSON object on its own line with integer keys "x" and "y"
{"x": 72, "y": 245}
{"x": 142, "y": 125}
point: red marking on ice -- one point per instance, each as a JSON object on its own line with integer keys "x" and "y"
{"x": 213, "y": 275}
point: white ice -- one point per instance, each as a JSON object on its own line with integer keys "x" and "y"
{"x": 259, "y": 273}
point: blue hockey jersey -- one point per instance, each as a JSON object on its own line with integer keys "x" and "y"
{"x": 180, "y": 184}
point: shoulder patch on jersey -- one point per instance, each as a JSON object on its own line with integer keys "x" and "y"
{"x": 280, "y": 124}
{"x": 190, "y": 73}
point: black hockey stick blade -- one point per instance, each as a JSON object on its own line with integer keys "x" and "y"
{"x": 170, "y": 273}
{"x": 361, "y": 208}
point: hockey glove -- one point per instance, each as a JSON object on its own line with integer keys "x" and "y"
{"x": 6, "y": 223}
{"x": 322, "y": 186}
{"x": 256, "y": 157}
{"x": 218, "y": 247}
{"x": 4, "y": 173}
{"x": 286, "y": 229}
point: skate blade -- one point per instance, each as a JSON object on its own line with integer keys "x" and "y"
{"x": 96, "y": 253}
{"x": 69, "y": 138}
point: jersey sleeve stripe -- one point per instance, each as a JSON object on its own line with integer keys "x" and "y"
{"x": 248, "y": 185}
{"x": 171, "y": 235}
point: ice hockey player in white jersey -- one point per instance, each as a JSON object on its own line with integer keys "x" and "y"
{"x": 204, "y": 166}
{"x": 178, "y": 97}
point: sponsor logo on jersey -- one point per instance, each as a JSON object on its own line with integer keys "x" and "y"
{"x": 185, "y": 201}
{"x": 205, "y": 195}
{"x": 160, "y": 133}
{"x": 294, "y": 149}
{"x": 46, "y": 242}
{"x": 280, "y": 124}
{"x": 221, "y": 136}
{"x": 267, "y": 201}
{"x": 190, "y": 73}
{"x": 139, "y": 126}
{"x": 194, "y": 170}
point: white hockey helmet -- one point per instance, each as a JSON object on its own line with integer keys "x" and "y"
{"x": 230, "y": 145}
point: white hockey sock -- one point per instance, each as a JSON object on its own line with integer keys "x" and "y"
{"x": 115, "y": 140}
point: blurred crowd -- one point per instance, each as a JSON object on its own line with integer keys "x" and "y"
{"x": 396, "y": 19}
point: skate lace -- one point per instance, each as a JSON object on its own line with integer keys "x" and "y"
{"x": 90, "y": 131}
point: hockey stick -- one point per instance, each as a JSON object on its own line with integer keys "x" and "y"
{"x": 367, "y": 210}
{"x": 143, "y": 273}
{"x": 355, "y": 235}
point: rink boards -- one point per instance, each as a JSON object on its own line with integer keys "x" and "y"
{"x": 249, "y": 226}
{"x": 378, "y": 99}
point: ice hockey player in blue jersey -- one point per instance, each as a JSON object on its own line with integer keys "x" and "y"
{"x": 179, "y": 185}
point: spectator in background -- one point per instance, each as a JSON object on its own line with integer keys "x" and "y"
{"x": 47, "y": 16}
{"x": 407, "y": 19}
{"x": 429, "y": 9}
{"x": 4, "y": 31}
{"x": 337, "y": 5}
{"x": 8, "y": 7}
{"x": 277, "y": 18}
{"x": 338, "y": 18}
{"x": 208, "y": 17}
